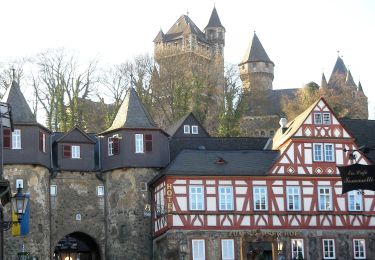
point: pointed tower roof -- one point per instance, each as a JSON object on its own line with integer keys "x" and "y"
{"x": 21, "y": 111}
{"x": 324, "y": 83}
{"x": 360, "y": 86}
{"x": 183, "y": 25}
{"x": 349, "y": 80}
{"x": 214, "y": 20}
{"x": 159, "y": 37}
{"x": 340, "y": 67}
{"x": 256, "y": 52}
{"x": 132, "y": 114}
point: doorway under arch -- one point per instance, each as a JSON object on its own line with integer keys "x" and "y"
{"x": 76, "y": 246}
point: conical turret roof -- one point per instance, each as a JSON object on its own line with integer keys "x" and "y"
{"x": 349, "y": 80}
{"x": 159, "y": 37}
{"x": 214, "y": 20}
{"x": 360, "y": 87}
{"x": 21, "y": 111}
{"x": 324, "y": 83}
{"x": 132, "y": 113}
{"x": 340, "y": 67}
{"x": 256, "y": 52}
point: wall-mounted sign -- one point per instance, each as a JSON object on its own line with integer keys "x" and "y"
{"x": 147, "y": 211}
{"x": 357, "y": 177}
{"x": 169, "y": 197}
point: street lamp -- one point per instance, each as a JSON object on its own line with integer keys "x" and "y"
{"x": 183, "y": 248}
{"x": 280, "y": 248}
{"x": 19, "y": 203}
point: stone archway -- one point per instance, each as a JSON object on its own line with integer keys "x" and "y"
{"x": 76, "y": 246}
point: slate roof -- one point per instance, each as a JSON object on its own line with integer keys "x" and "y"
{"x": 220, "y": 163}
{"x": 360, "y": 86}
{"x": 214, "y": 20}
{"x": 324, "y": 83}
{"x": 132, "y": 114}
{"x": 339, "y": 67}
{"x": 256, "y": 52}
{"x": 184, "y": 26}
{"x": 159, "y": 37}
{"x": 363, "y": 131}
{"x": 349, "y": 80}
{"x": 21, "y": 111}
{"x": 176, "y": 145}
{"x": 88, "y": 138}
{"x": 173, "y": 128}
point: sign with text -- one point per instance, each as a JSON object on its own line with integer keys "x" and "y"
{"x": 357, "y": 177}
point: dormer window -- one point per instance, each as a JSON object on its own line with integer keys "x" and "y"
{"x": 186, "y": 129}
{"x": 194, "y": 129}
{"x": 72, "y": 151}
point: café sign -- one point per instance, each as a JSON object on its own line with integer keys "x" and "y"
{"x": 357, "y": 177}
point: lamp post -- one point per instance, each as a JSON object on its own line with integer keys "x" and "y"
{"x": 280, "y": 248}
{"x": 183, "y": 249}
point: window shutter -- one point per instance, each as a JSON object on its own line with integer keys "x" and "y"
{"x": 116, "y": 145}
{"x": 148, "y": 143}
{"x": 67, "y": 150}
{"x": 6, "y": 138}
{"x": 41, "y": 141}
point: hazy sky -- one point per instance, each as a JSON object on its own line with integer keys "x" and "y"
{"x": 301, "y": 37}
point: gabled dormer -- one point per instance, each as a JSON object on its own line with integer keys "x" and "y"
{"x": 315, "y": 142}
{"x": 187, "y": 126}
{"x": 133, "y": 140}
{"x": 74, "y": 151}
{"x": 29, "y": 142}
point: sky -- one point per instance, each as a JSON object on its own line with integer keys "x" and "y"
{"x": 301, "y": 37}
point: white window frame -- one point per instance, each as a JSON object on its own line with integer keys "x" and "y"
{"x": 16, "y": 139}
{"x": 297, "y": 247}
{"x": 198, "y": 249}
{"x": 196, "y": 197}
{"x": 325, "y": 198}
{"x": 226, "y": 198}
{"x": 43, "y": 142}
{"x": 186, "y": 129}
{"x": 100, "y": 190}
{"x": 332, "y": 155}
{"x": 293, "y": 198}
{"x": 53, "y": 190}
{"x": 110, "y": 146}
{"x": 260, "y": 194}
{"x": 75, "y": 152}
{"x": 160, "y": 202}
{"x": 326, "y": 118}
{"x": 359, "y": 248}
{"x": 316, "y": 117}
{"x": 316, "y": 154}
{"x": 18, "y": 183}
{"x": 329, "y": 251}
{"x": 355, "y": 201}
{"x": 139, "y": 146}
{"x": 194, "y": 129}
{"x": 227, "y": 249}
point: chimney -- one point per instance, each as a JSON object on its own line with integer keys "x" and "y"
{"x": 283, "y": 122}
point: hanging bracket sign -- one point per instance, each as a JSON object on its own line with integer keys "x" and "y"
{"x": 357, "y": 177}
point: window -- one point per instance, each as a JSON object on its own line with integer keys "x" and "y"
{"x": 19, "y": 183}
{"x": 325, "y": 198}
{"x": 148, "y": 143}
{"x": 196, "y": 198}
{"x": 53, "y": 190}
{"x": 100, "y": 191}
{"x": 260, "y": 198}
{"x": 76, "y": 152}
{"x": 293, "y": 198}
{"x": 139, "y": 143}
{"x": 355, "y": 200}
{"x": 6, "y": 138}
{"x": 328, "y": 152}
{"x": 326, "y": 119}
{"x": 16, "y": 139}
{"x": 198, "y": 248}
{"x": 113, "y": 145}
{"x": 160, "y": 202}
{"x": 42, "y": 141}
{"x": 194, "y": 129}
{"x": 67, "y": 151}
{"x": 318, "y": 118}
{"x": 143, "y": 186}
{"x": 186, "y": 129}
{"x": 318, "y": 152}
{"x": 329, "y": 249}
{"x": 225, "y": 198}
{"x": 227, "y": 249}
{"x": 297, "y": 248}
{"x": 359, "y": 248}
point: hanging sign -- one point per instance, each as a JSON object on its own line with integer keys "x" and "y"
{"x": 357, "y": 177}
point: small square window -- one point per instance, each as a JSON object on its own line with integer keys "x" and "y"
{"x": 53, "y": 190}
{"x": 186, "y": 129}
{"x": 326, "y": 118}
{"x": 318, "y": 118}
{"x": 100, "y": 191}
{"x": 19, "y": 183}
{"x": 143, "y": 186}
{"x": 194, "y": 129}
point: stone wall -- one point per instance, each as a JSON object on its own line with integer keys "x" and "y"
{"x": 35, "y": 181}
{"x": 128, "y": 231}
{"x": 77, "y": 208}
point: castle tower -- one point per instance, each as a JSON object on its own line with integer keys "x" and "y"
{"x": 215, "y": 33}
{"x": 256, "y": 68}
